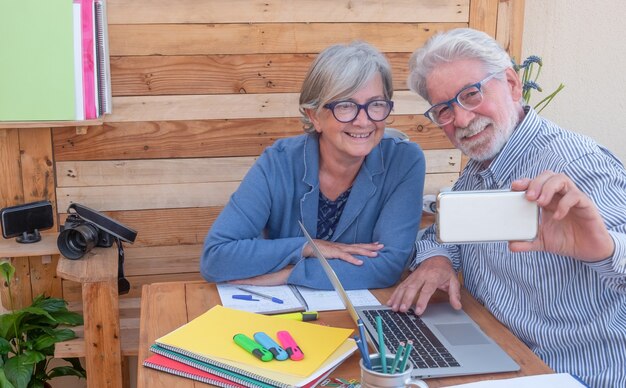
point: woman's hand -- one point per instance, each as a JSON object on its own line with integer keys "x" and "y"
{"x": 271, "y": 279}
{"x": 335, "y": 250}
{"x": 571, "y": 225}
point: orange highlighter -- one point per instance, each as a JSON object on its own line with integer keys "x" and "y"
{"x": 290, "y": 345}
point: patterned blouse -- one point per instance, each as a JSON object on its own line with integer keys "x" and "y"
{"x": 328, "y": 214}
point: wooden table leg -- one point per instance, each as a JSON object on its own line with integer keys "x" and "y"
{"x": 97, "y": 272}
{"x": 102, "y": 335}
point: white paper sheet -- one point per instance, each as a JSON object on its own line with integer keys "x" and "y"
{"x": 561, "y": 380}
{"x": 315, "y": 300}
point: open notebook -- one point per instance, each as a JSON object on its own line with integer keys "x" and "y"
{"x": 295, "y": 298}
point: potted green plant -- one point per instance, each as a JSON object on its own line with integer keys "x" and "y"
{"x": 28, "y": 336}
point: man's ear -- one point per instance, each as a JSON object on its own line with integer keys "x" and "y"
{"x": 312, "y": 115}
{"x": 515, "y": 84}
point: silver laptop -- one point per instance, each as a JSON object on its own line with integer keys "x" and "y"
{"x": 446, "y": 342}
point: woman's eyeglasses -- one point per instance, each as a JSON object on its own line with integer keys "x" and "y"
{"x": 347, "y": 111}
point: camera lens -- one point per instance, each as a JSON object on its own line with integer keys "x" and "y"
{"x": 73, "y": 243}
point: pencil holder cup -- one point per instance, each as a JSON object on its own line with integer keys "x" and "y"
{"x": 375, "y": 378}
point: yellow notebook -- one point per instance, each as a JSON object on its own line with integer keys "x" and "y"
{"x": 209, "y": 338}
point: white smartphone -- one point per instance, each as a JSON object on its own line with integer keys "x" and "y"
{"x": 485, "y": 216}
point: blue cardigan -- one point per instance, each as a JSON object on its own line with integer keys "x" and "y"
{"x": 258, "y": 232}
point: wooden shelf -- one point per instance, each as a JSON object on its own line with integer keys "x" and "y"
{"x": 50, "y": 124}
{"x": 47, "y": 246}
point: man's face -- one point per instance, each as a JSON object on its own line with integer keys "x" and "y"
{"x": 482, "y": 132}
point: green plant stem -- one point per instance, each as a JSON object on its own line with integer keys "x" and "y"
{"x": 538, "y": 72}
{"x": 543, "y": 103}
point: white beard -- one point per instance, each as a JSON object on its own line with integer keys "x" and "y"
{"x": 485, "y": 148}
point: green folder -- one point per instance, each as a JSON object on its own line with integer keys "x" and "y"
{"x": 36, "y": 60}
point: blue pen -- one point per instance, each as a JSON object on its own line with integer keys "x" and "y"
{"x": 268, "y": 343}
{"x": 273, "y": 299}
{"x": 363, "y": 351}
{"x": 245, "y": 297}
{"x": 366, "y": 355}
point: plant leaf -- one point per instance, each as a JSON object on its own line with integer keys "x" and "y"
{"x": 31, "y": 357}
{"x": 5, "y": 348}
{"x": 4, "y": 381}
{"x": 36, "y": 384}
{"x": 36, "y": 311}
{"x": 49, "y": 339}
{"x": 7, "y": 322}
{"x": 75, "y": 361}
{"x": 7, "y": 325}
{"x": 7, "y": 271}
{"x": 68, "y": 318}
{"x": 18, "y": 372}
{"x": 51, "y": 305}
{"x": 66, "y": 371}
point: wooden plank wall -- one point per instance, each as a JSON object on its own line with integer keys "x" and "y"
{"x": 202, "y": 87}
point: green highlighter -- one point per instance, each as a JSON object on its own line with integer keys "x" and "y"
{"x": 253, "y": 347}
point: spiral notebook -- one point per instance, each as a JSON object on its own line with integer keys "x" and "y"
{"x": 181, "y": 365}
{"x": 165, "y": 364}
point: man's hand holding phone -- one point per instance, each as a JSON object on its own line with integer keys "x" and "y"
{"x": 571, "y": 224}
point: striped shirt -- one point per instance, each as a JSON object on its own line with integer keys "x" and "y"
{"x": 570, "y": 313}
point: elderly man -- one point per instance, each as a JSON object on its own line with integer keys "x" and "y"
{"x": 563, "y": 294}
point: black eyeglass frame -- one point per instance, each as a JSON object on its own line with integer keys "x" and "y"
{"x": 331, "y": 106}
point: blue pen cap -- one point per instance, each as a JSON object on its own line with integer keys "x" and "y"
{"x": 268, "y": 343}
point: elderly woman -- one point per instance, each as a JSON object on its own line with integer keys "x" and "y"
{"x": 357, "y": 192}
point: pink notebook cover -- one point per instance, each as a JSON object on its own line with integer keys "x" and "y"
{"x": 162, "y": 363}
{"x": 89, "y": 90}
{"x": 165, "y": 364}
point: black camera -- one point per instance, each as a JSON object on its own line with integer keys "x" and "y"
{"x": 78, "y": 237}
{"x": 86, "y": 228}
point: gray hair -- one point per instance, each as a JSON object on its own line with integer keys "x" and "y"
{"x": 338, "y": 72}
{"x": 453, "y": 45}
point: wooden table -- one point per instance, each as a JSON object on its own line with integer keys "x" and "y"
{"x": 166, "y": 306}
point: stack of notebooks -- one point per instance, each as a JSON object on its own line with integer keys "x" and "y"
{"x": 204, "y": 350}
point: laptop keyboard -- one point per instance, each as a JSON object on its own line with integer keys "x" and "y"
{"x": 428, "y": 351}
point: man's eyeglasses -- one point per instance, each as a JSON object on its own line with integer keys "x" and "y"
{"x": 469, "y": 98}
{"x": 347, "y": 111}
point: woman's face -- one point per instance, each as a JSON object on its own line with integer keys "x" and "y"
{"x": 356, "y": 139}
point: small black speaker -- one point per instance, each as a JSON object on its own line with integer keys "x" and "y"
{"x": 25, "y": 221}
